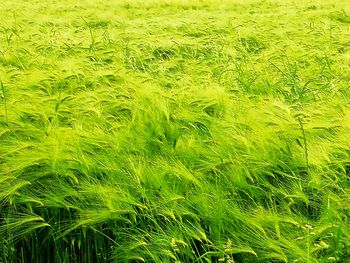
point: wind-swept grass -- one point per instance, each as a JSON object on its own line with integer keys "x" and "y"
{"x": 174, "y": 131}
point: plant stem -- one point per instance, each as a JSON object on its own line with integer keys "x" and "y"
{"x": 305, "y": 143}
{"x": 5, "y": 100}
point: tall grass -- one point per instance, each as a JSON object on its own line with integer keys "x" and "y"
{"x": 150, "y": 131}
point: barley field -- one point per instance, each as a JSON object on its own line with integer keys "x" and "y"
{"x": 173, "y": 131}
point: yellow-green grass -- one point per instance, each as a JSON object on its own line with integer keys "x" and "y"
{"x": 174, "y": 131}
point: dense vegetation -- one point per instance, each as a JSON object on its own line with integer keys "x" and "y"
{"x": 174, "y": 131}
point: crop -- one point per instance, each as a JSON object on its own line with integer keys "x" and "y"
{"x": 174, "y": 131}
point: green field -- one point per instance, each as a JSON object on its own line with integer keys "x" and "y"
{"x": 174, "y": 131}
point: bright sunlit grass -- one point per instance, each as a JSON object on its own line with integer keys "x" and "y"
{"x": 174, "y": 131}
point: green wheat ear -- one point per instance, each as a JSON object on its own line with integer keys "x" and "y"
{"x": 5, "y": 100}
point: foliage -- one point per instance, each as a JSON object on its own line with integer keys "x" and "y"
{"x": 174, "y": 131}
